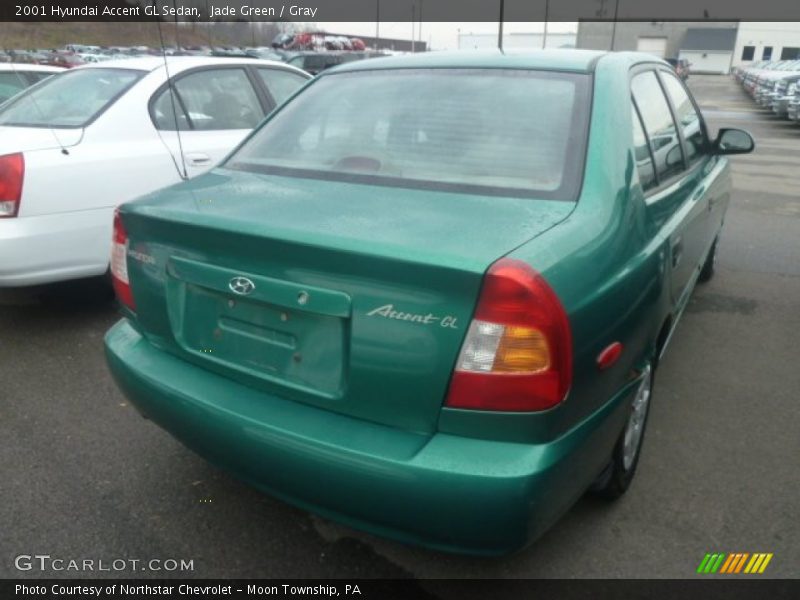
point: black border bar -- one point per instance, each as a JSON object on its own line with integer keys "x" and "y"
{"x": 711, "y": 588}
{"x": 401, "y": 10}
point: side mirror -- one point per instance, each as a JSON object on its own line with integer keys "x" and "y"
{"x": 733, "y": 141}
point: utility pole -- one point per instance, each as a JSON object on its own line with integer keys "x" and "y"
{"x": 500, "y": 28}
{"x": 614, "y": 26}
{"x": 546, "y": 14}
{"x": 419, "y": 27}
{"x": 377, "y": 23}
{"x": 413, "y": 25}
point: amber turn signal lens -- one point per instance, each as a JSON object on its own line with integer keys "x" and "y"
{"x": 521, "y": 350}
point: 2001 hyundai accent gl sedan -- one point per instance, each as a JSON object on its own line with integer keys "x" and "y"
{"x": 428, "y": 295}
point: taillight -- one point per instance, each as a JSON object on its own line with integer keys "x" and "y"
{"x": 12, "y": 173}
{"x": 119, "y": 263}
{"x": 517, "y": 355}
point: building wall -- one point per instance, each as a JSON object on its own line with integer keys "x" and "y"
{"x": 707, "y": 62}
{"x": 758, "y": 34}
{"x": 597, "y": 36}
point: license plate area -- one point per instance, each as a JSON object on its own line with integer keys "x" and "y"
{"x": 302, "y": 346}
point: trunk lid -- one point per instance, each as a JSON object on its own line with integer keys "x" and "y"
{"x": 352, "y": 297}
{"x": 27, "y": 139}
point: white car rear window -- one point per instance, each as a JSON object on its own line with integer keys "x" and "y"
{"x": 69, "y": 99}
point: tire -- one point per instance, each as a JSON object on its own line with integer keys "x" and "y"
{"x": 707, "y": 272}
{"x": 616, "y": 478}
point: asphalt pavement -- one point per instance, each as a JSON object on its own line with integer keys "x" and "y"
{"x": 85, "y": 478}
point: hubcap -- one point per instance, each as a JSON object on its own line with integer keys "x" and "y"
{"x": 635, "y": 425}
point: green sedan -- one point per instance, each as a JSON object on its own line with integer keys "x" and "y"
{"x": 427, "y": 297}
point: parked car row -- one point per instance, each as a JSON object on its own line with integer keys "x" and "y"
{"x": 73, "y": 55}
{"x": 774, "y": 86}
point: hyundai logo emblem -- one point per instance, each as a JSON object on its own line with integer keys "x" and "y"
{"x": 242, "y": 286}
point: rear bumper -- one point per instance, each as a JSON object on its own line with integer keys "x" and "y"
{"x": 443, "y": 491}
{"x": 47, "y": 248}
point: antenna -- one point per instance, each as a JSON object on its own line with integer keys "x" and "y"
{"x": 181, "y": 171}
{"x": 614, "y": 26}
{"x": 500, "y": 28}
{"x": 546, "y": 14}
{"x": 31, "y": 93}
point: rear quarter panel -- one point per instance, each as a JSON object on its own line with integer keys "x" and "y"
{"x": 607, "y": 267}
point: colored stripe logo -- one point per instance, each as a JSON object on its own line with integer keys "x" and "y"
{"x": 734, "y": 563}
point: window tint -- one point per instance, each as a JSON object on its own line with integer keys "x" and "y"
{"x": 10, "y": 84}
{"x": 748, "y": 52}
{"x": 281, "y": 83}
{"x": 767, "y": 53}
{"x": 644, "y": 161}
{"x": 431, "y": 128}
{"x": 70, "y": 99}
{"x": 213, "y": 99}
{"x": 690, "y": 122}
{"x": 658, "y": 124}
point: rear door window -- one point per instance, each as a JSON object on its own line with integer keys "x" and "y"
{"x": 641, "y": 150}
{"x": 209, "y": 100}
{"x": 658, "y": 124}
{"x": 689, "y": 119}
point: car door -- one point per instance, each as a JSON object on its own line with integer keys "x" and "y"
{"x": 676, "y": 204}
{"x": 205, "y": 113}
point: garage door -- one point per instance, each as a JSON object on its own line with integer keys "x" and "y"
{"x": 652, "y": 45}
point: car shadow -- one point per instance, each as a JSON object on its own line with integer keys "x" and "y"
{"x": 67, "y": 297}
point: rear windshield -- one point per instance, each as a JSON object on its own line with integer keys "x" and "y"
{"x": 495, "y": 131}
{"x": 69, "y": 99}
{"x": 11, "y": 83}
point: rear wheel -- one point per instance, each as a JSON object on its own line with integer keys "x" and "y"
{"x": 617, "y": 477}
{"x": 707, "y": 272}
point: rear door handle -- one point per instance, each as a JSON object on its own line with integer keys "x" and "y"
{"x": 677, "y": 252}
{"x": 198, "y": 159}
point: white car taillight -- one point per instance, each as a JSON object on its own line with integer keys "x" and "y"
{"x": 12, "y": 174}
{"x": 119, "y": 263}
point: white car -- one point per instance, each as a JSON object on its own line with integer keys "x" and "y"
{"x": 16, "y": 77}
{"x": 84, "y": 141}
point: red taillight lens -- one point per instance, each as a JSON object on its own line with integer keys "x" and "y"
{"x": 517, "y": 355}
{"x": 12, "y": 173}
{"x": 119, "y": 263}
